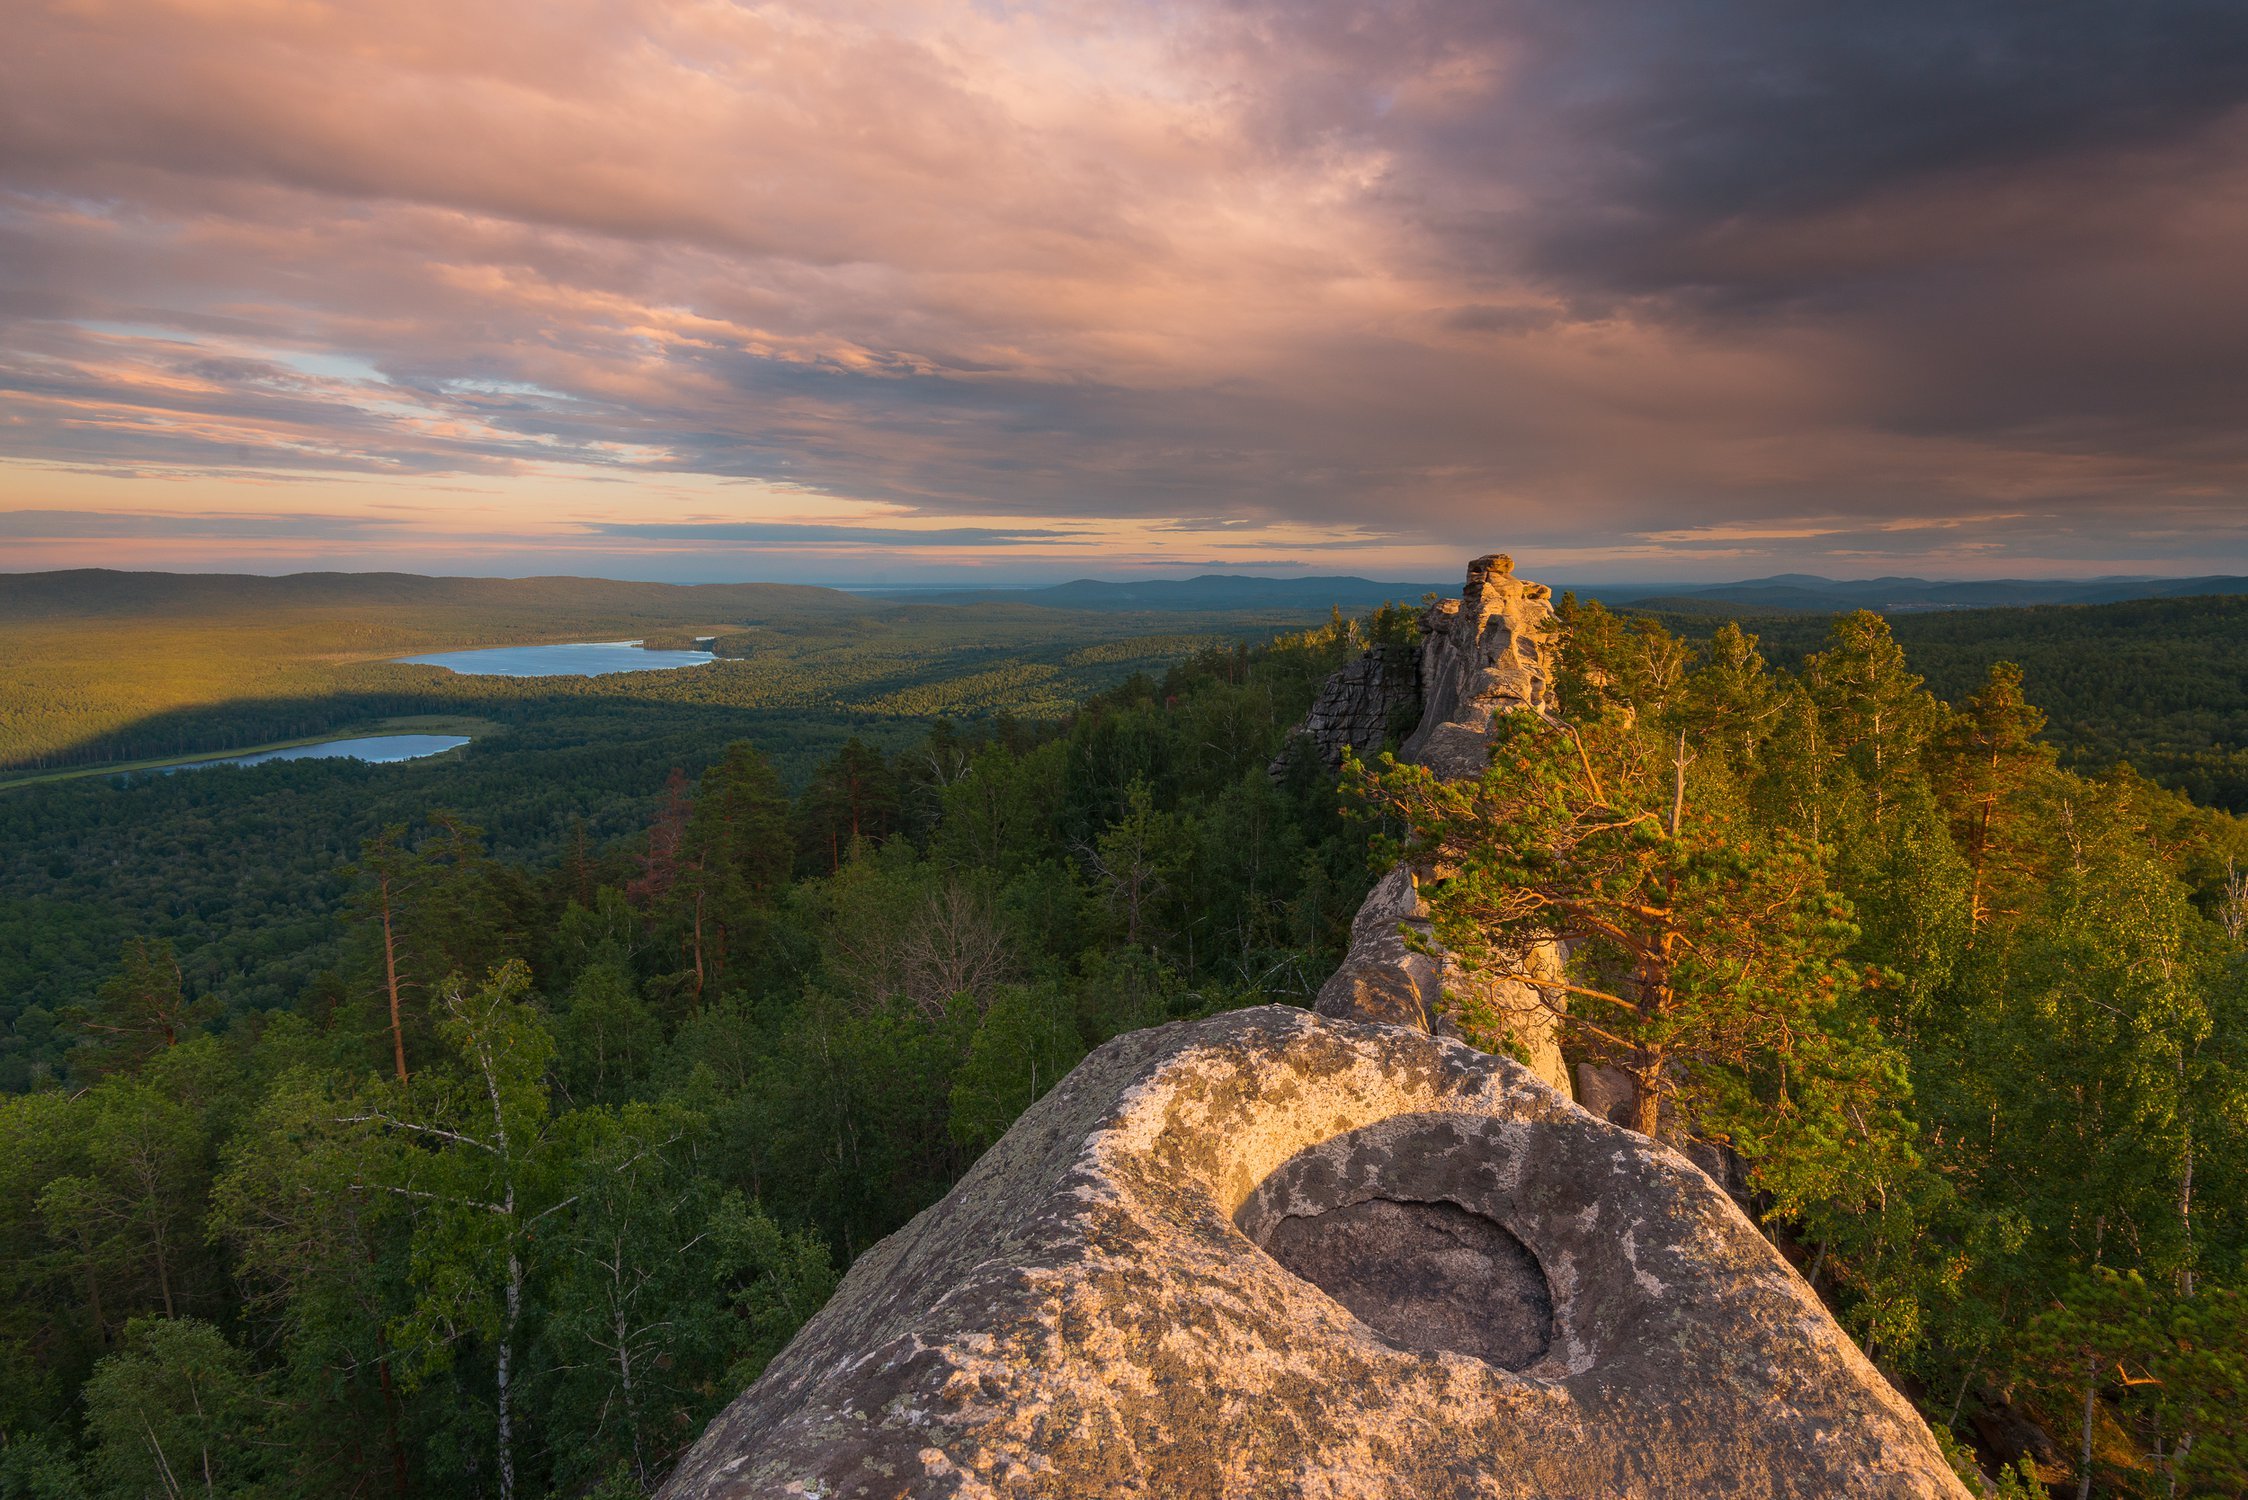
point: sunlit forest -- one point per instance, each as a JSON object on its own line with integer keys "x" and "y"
{"x": 100, "y": 670}
{"x": 481, "y": 1126}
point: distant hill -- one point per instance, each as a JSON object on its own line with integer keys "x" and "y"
{"x": 1209, "y": 591}
{"x": 1791, "y": 593}
{"x": 104, "y": 593}
{"x": 1785, "y": 593}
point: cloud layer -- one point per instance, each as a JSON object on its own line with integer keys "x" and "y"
{"x": 1679, "y": 290}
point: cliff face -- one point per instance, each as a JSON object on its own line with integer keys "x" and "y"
{"x": 1271, "y": 1254}
{"x": 1358, "y": 708}
{"x": 1487, "y": 652}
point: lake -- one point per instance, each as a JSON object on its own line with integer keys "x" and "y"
{"x": 582, "y": 659}
{"x": 381, "y": 748}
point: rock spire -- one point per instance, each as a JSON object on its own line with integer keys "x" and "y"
{"x": 1488, "y": 652}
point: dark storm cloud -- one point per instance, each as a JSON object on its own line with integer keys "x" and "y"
{"x": 1712, "y": 280}
{"x": 1687, "y": 120}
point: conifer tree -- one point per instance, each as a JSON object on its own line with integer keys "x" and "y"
{"x": 1730, "y": 702}
{"x": 1698, "y": 942}
{"x": 390, "y": 871}
{"x": 735, "y": 850}
{"x": 1986, "y": 756}
{"x": 140, "y": 1009}
{"x": 1873, "y": 712}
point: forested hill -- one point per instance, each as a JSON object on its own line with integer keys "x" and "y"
{"x": 1208, "y": 591}
{"x": 104, "y": 593}
{"x": 1809, "y": 594}
{"x": 2160, "y": 684}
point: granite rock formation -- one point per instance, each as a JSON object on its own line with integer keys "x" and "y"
{"x": 1360, "y": 707}
{"x": 1269, "y": 1254}
{"x": 1487, "y": 652}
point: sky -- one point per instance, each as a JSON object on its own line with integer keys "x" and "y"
{"x": 987, "y": 292}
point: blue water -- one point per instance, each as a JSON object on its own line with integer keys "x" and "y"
{"x": 584, "y": 659}
{"x": 381, "y": 748}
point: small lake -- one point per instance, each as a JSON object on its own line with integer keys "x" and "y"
{"x": 380, "y": 748}
{"x": 583, "y": 659}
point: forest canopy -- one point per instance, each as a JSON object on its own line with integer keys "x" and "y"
{"x": 482, "y": 1127}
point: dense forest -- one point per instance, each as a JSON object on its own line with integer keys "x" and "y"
{"x": 481, "y": 1127}
{"x": 2159, "y": 683}
{"x": 543, "y": 1159}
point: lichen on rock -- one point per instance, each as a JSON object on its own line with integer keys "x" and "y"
{"x": 1105, "y": 1304}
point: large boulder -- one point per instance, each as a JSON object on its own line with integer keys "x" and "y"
{"x": 1268, "y": 1254}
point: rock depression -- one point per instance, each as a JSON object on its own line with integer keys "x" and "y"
{"x": 1271, "y": 1254}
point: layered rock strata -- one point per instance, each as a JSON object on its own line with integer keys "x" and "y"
{"x": 1487, "y": 652}
{"x": 1360, "y": 707}
{"x": 1268, "y": 1254}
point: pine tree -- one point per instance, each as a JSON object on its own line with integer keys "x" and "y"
{"x": 1698, "y": 943}
{"x": 734, "y": 852}
{"x": 1873, "y": 712}
{"x": 141, "y": 1009}
{"x": 853, "y": 796}
{"x": 1730, "y": 702}
{"x": 1986, "y": 757}
{"x": 390, "y": 871}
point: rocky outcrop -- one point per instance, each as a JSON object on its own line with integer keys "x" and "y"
{"x": 1268, "y": 1254}
{"x": 1489, "y": 651}
{"x": 1360, "y": 708}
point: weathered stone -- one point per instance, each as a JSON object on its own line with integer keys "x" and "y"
{"x": 1424, "y": 1275}
{"x": 1488, "y": 651}
{"x": 1089, "y": 1312}
{"x": 1381, "y": 978}
{"x": 1360, "y": 707}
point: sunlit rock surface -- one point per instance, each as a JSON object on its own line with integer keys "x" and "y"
{"x": 1269, "y": 1254}
{"x": 1489, "y": 651}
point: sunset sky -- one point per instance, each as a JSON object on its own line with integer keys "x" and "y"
{"x": 857, "y": 293}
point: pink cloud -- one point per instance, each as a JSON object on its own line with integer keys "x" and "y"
{"x": 1301, "y": 264}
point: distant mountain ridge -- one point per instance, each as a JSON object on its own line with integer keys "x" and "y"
{"x": 103, "y": 592}
{"x": 1791, "y": 593}
{"x": 1206, "y": 591}
{"x": 1783, "y": 593}
{"x": 110, "y": 593}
